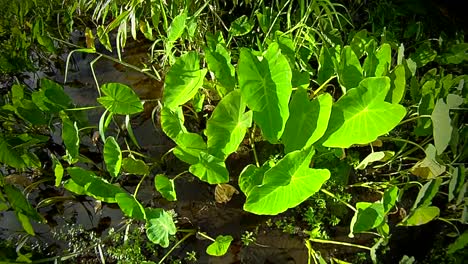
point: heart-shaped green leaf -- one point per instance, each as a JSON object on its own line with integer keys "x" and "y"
{"x": 266, "y": 88}
{"x": 166, "y": 187}
{"x": 361, "y": 115}
{"x": 220, "y": 246}
{"x": 287, "y": 184}
{"x": 367, "y": 217}
{"x": 189, "y": 147}
{"x": 135, "y": 166}
{"x": 183, "y": 80}
{"x": 130, "y": 206}
{"x": 172, "y": 122}
{"x": 159, "y": 226}
{"x": 120, "y": 99}
{"x": 421, "y": 216}
{"x": 227, "y": 126}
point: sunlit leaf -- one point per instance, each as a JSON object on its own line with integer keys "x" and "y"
{"x": 112, "y": 156}
{"x": 220, "y": 246}
{"x": 189, "y": 147}
{"x": 426, "y": 193}
{"x": 159, "y": 226}
{"x": 51, "y": 97}
{"x": 218, "y": 59}
{"x": 367, "y": 217}
{"x": 252, "y": 176}
{"x": 210, "y": 169}
{"x": 166, "y": 187}
{"x": 183, "y": 80}
{"x": 308, "y": 120}
{"x": 378, "y": 63}
{"x": 428, "y": 168}
{"x": 58, "y": 170}
{"x": 397, "y": 85}
{"x": 373, "y": 157}
{"x": 130, "y": 206}
{"x": 266, "y": 88}
{"x": 421, "y": 216}
{"x": 120, "y": 99}
{"x": 172, "y": 122}
{"x": 361, "y": 115}
{"x": 25, "y": 223}
{"x": 70, "y": 138}
{"x": 390, "y": 198}
{"x": 177, "y": 27}
{"x": 227, "y": 125}
{"x": 286, "y": 185}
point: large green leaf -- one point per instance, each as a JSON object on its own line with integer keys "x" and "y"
{"x": 366, "y": 217}
{"x": 286, "y": 185}
{"x": 112, "y": 156}
{"x": 172, "y": 122}
{"x": 210, "y": 169}
{"x": 350, "y": 71}
{"x": 442, "y": 125}
{"x": 130, "y": 206}
{"x": 218, "y": 59}
{"x": 189, "y": 147}
{"x": 227, "y": 126}
{"x": 220, "y": 246}
{"x": 308, "y": 120}
{"x": 166, "y": 187}
{"x": 183, "y": 80}
{"x": 362, "y": 115}
{"x": 92, "y": 185}
{"x": 266, "y": 88}
{"x": 159, "y": 226}
{"x": 120, "y": 99}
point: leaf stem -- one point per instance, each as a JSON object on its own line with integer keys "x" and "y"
{"x": 314, "y": 93}
{"x": 338, "y": 243}
{"x": 340, "y": 200}
{"x": 138, "y": 186}
{"x": 206, "y": 236}
{"x": 413, "y": 118}
{"x": 176, "y": 245}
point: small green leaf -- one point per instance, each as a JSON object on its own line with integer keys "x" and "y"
{"x": 112, "y": 156}
{"x": 130, "y": 206}
{"x": 442, "y": 125}
{"x": 20, "y": 204}
{"x": 218, "y": 59}
{"x": 166, "y": 187}
{"x": 51, "y": 97}
{"x": 421, "y": 216}
{"x": 389, "y": 198}
{"x": 308, "y": 120}
{"x": 367, "y": 217}
{"x": 460, "y": 243}
{"x": 286, "y": 185}
{"x": 120, "y": 99}
{"x": 172, "y": 122}
{"x": 241, "y": 26}
{"x": 70, "y": 138}
{"x": 364, "y": 108}
{"x": 25, "y": 223}
{"x": 58, "y": 170}
{"x": 210, "y": 169}
{"x": 227, "y": 125}
{"x": 183, "y": 80}
{"x": 9, "y": 156}
{"x": 177, "y": 27}
{"x": 159, "y": 226}
{"x": 428, "y": 168}
{"x": 135, "y": 166}
{"x": 220, "y": 246}
{"x": 427, "y": 192}
{"x": 266, "y": 87}
{"x": 377, "y": 64}
{"x": 373, "y": 157}
{"x": 252, "y": 176}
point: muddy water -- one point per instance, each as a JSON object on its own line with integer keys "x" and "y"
{"x": 196, "y": 206}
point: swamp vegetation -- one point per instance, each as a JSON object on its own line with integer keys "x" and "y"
{"x": 186, "y": 131}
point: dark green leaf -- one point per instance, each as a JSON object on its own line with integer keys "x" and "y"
{"x": 135, "y": 166}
